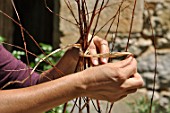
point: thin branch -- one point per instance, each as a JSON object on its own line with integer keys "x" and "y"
{"x": 70, "y": 9}
{"x": 131, "y": 25}
{"x": 23, "y": 36}
{"x": 153, "y": 38}
{"x": 48, "y": 8}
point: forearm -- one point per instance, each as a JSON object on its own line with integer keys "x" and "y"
{"x": 41, "y": 97}
{"x": 66, "y": 65}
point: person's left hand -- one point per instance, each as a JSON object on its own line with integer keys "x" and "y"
{"x": 98, "y": 45}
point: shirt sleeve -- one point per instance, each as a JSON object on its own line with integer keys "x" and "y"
{"x": 15, "y": 72}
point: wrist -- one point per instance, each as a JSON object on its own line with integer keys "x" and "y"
{"x": 83, "y": 82}
{"x": 80, "y": 84}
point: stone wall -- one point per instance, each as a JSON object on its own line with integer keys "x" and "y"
{"x": 70, "y": 32}
{"x": 141, "y": 44}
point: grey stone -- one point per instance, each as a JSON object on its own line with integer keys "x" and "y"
{"x": 146, "y": 66}
{"x": 141, "y": 42}
{"x": 164, "y": 101}
{"x": 71, "y": 32}
{"x": 165, "y": 15}
{"x": 149, "y": 78}
{"x": 156, "y": 95}
{"x": 163, "y": 43}
{"x": 155, "y": 21}
{"x": 147, "y": 32}
{"x": 168, "y": 36}
{"x": 147, "y": 63}
{"x": 165, "y": 94}
{"x": 159, "y": 6}
{"x": 135, "y": 50}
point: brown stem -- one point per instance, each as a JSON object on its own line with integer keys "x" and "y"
{"x": 64, "y": 108}
{"x": 131, "y": 25}
{"x": 153, "y": 38}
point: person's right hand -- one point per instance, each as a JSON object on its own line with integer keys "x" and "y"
{"x": 112, "y": 81}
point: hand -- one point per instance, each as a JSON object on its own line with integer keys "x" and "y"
{"x": 98, "y": 45}
{"x": 72, "y": 55}
{"x": 112, "y": 81}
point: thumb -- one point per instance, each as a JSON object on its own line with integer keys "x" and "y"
{"x": 125, "y": 62}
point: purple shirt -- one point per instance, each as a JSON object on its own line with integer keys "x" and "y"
{"x": 12, "y": 69}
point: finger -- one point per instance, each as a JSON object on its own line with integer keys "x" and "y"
{"x": 126, "y": 68}
{"x": 102, "y": 46}
{"x": 134, "y": 82}
{"x": 124, "y": 62}
{"x": 131, "y": 91}
{"x": 121, "y": 97}
{"x": 104, "y": 49}
{"x": 93, "y": 51}
{"x": 129, "y": 67}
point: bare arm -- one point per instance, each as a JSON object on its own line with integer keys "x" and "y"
{"x": 109, "y": 82}
{"x": 42, "y": 97}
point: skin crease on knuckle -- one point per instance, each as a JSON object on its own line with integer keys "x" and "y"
{"x": 103, "y": 42}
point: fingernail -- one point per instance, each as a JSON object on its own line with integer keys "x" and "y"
{"x": 130, "y": 56}
{"x": 104, "y": 60}
{"x": 95, "y": 62}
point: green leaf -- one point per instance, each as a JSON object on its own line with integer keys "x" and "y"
{"x": 18, "y": 54}
{"x": 2, "y": 39}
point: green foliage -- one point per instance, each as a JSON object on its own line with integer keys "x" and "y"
{"x": 18, "y": 54}
{"x": 58, "y": 109}
{"x": 142, "y": 105}
{"x": 2, "y": 39}
{"x": 168, "y": 109}
{"x": 52, "y": 59}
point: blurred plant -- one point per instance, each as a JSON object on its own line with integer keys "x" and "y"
{"x": 168, "y": 109}
{"x": 18, "y": 54}
{"x": 52, "y": 59}
{"x": 142, "y": 105}
{"x": 2, "y": 39}
{"x": 58, "y": 109}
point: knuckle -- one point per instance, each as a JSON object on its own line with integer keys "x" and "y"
{"x": 104, "y": 42}
{"x": 104, "y": 97}
{"x": 134, "y": 70}
{"x": 134, "y": 63}
{"x": 91, "y": 46}
{"x": 112, "y": 99}
{"x": 123, "y": 89}
{"x": 95, "y": 37}
{"x": 120, "y": 74}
